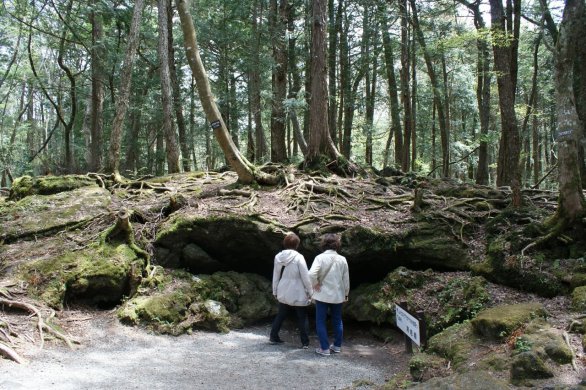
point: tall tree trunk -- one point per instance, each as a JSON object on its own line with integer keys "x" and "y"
{"x": 536, "y": 146}
{"x": 320, "y": 141}
{"x": 295, "y": 82}
{"x": 395, "y": 129}
{"x": 98, "y": 79}
{"x": 438, "y": 92}
{"x": 255, "y": 83}
{"x": 413, "y": 106}
{"x": 177, "y": 100}
{"x": 530, "y": 108}
{"x": 279, "y": 10}
{"x": 505, "y": 60}
{"x": 124, "y": 91}
{"x": 571, "y": 202}
{"x": 334, "y": 27}
{"x": 483, "y": 79}
{"x": 68, "y": 126}
{"x": 172, "y": 152}
{"x": 405, "y": 90}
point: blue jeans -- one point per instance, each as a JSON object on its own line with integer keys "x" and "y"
{"x": 302, "y": 323}
{"x": 321, "y": 314}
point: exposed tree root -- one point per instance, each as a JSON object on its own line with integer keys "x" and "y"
{"x": 8, "y": 352}
{"x": 42, "y": 325}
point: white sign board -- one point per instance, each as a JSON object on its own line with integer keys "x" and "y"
{"x": 408, "y": 324}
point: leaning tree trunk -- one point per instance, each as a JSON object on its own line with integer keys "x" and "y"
{"x": 244, "y": 169}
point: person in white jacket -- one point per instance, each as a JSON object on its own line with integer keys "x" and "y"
{"x": 331, "y": 285}
{"x": 292, "y": 288}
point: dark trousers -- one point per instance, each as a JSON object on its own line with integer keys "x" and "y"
{"x": 302, "y": 322}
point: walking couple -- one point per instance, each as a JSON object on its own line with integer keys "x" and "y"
{"x": 327, "y": 283}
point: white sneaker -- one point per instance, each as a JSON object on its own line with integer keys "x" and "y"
{"x": 335, "y": 349}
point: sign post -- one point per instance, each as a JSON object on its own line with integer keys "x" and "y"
{"x": 412, "y": 325}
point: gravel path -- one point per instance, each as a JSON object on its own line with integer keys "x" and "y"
{"x": 114, "y": 356}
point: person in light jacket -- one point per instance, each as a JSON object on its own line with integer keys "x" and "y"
{"x": 292, "y": 288}
{"x": 331, "y": 285}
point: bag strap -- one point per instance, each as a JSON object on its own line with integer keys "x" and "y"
{"x": 328, "y": 270}
{"x": 282, "y": 270}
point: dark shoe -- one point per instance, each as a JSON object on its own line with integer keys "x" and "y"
{"x": 305, "y": 346}
{"x": 276, "y": 341}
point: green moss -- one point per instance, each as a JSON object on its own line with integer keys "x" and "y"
{"x": 527, "y": 366}
{"x": 47, "y": 185}
{"x": 181, "y": 302}
{"x": 445, "y": 299}
{"x": 579, "y": 299}
{"x": 424, "y": 366}
{"x": 500, "y": 321}
{"x": 454, "y": 343}
{"x": 98, "y": 274}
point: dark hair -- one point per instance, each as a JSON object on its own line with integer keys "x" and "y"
{"x": 291, "y": 241}
{"x": 330, "y": 241}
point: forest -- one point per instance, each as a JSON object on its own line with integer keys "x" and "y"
{"x": 456, "y": 89}
{"x": 177, "y": 141}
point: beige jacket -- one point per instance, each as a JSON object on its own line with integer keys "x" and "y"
{"x": 330, "y": 271}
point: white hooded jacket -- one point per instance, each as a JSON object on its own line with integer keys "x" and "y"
{"x": 293, "y": 287}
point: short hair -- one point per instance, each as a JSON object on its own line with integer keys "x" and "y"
{"x": 330, "y": 241}
{"x": 291, "y": 241}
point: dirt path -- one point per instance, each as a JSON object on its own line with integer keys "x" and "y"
{"x": 119, "y": 357}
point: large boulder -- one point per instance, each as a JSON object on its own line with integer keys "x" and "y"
{"x": 471, "y": 380}
{"x": 499, "y": 322}
{"x": 444, "y": 298}
{"x": 178, "y": 302}
{"x": 101, "y": 274}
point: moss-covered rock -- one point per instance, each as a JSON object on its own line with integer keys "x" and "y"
{"x": 528, "y": 365}
{"x": 454, "y": 343}
{"x": 101, "y": 274}
{"x": 179, "y": 302}
{"x": 546, "y": 341}
{"x": 424, "y": 366}
{"x": 579, "y": 299}
{"x": 500, "y": 321}
{"x": 471, "y": 380}
{"x": 445, "y": 299}
{"x": 47, "y": 185}
{"x": 38, "y": 215}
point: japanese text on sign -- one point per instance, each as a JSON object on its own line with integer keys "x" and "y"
{"x": 408, "y": 324}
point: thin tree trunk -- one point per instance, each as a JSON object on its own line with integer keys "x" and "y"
{"x": 177, "y": 100}
{"x": 395, "y": 128}
{"x": 279, "y": 10}
{"x": 172, "y": 152}
{"x": 405, "y": 90}
{"x": 255, "y": 84}
{"x": 124, "y": 90}
{"x": 438, "y": 92}
{"x": 98, "y": 78}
